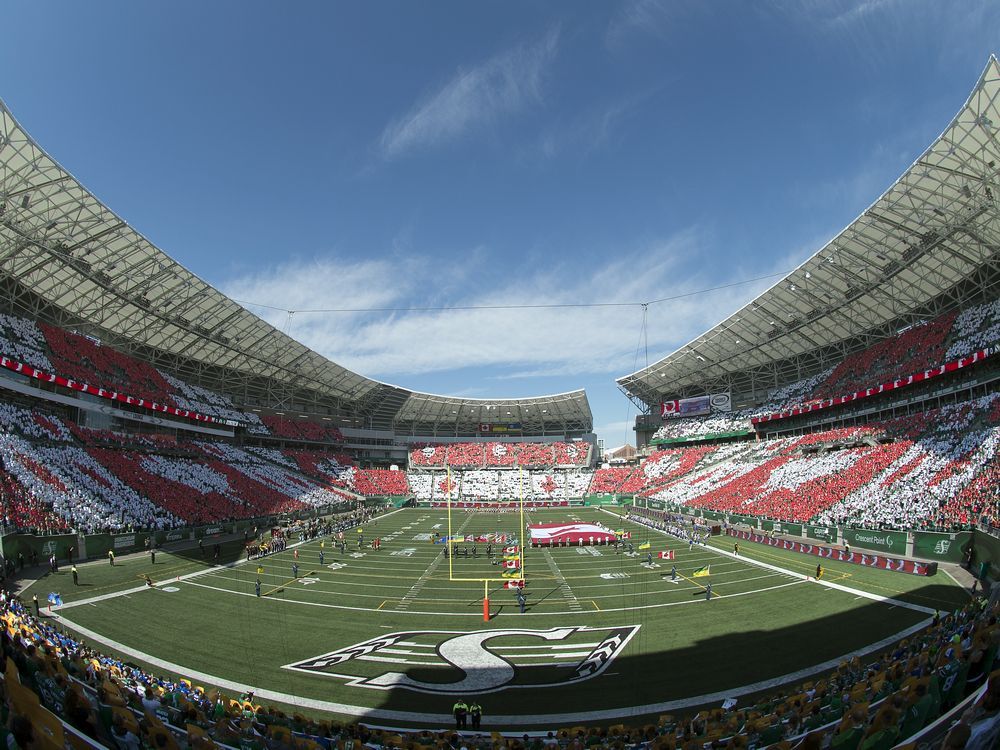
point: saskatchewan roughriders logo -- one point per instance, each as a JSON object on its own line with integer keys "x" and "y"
{"x": 483, "y": 661}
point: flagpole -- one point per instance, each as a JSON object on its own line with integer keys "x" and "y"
{"x": 447, "y": 542}
{"x": 520, "y": 540}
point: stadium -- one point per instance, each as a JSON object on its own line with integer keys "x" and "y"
{"x": 215, "y": 536}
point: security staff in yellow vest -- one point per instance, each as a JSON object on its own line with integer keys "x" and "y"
{"x": 460, "y": 711}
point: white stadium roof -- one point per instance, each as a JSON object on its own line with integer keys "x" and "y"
{"x": 931, "y": 241}
{"x": 66, "y": 257}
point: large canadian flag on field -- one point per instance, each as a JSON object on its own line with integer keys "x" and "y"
{"x": 570, "y": 533}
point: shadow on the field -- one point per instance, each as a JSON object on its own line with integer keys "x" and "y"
{"x": 593, "y": 661}
{"x": 210, "y": 553}
{"x": 534, "y": 597}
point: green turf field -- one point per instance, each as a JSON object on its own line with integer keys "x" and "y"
{"x": 387, "y": 633}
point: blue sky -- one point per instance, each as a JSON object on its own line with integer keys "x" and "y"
{"x": 317, "y": 155}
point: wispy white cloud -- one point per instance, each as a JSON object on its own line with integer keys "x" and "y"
{"x": 587, "y": 132}
{"x": 647, "y": 17}
{"x": 536, "y": 342}
{"x": 854, "y": 12}
{"x": 474, "y": 97}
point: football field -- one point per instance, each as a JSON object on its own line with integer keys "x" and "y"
{"x": 388, "y": 634}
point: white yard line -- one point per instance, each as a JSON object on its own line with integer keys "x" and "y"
{"x": 509, "y": 720}
{"x": 404, "y": 603}
{"x": 477, "y": 614}
{"x": 567, "y": 592}
{"x": 802, "y": 577}
{"x": 186, "y": 576}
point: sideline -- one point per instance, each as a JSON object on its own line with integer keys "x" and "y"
{"x": 803, "y": 577}
{"x": 187, "y": 576}
{"x": 362, "y": 712}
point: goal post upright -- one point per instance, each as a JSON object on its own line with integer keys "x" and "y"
{"x": 451, "y": 558}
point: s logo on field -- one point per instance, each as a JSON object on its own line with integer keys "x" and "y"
{"x": 484, "y": 661}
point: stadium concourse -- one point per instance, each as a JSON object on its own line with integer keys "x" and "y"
{"x": 854, "y": 403}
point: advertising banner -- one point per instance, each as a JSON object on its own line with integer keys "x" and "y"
{"x": 893, "y": 542}
{"x": 697, "y": 406}
{"x": 122, "y": 542}
{"x": 686, "y": 407}
{"x": 782, "y": 527}
{"x": 822, "y": 533}
{"x": 896, "y": 564}
{"x": 935, "y": 546}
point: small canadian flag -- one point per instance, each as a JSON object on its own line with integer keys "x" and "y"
{"x": 668, "y": 555}
{"x": 515, "y": 584}
{"x": 512, "y": 564}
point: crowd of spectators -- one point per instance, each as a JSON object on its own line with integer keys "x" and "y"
{"x": 608, "y": 481}
{"x": 926, "y": 470}
{"x": 913, "y": 350}
{"x": 76, "y": 487}
{"x": 56, "y": 475}
{"x": 428, "y": 455}
{"x": 20, "y": 509}
{"x": 576, "y": 453}
{"x": 714, "y": 424}
{"x": 86, "y": 360}
{"x": 302, "y": 429}
{"x": 378, "y": 482}
{"x": 204, "y": 401}
{"x": 327, "y": 466}
{"x": 974, "y": 329}
{"x": 497, "y": 454}
{"x": 473, "y": 454}
{"x": 793, "y": 394}
{"x": 486, "y": 485}
{"x": 238, "y": 464}
{"x": 946, "y": 338}
{"x": 934, "y": 482}
{"x": 21, "y": 340}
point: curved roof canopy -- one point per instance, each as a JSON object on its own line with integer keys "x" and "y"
{"x": 929, "y": 241}
{"x": 563, "y": 412}
{"x": 85, "y": 266}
